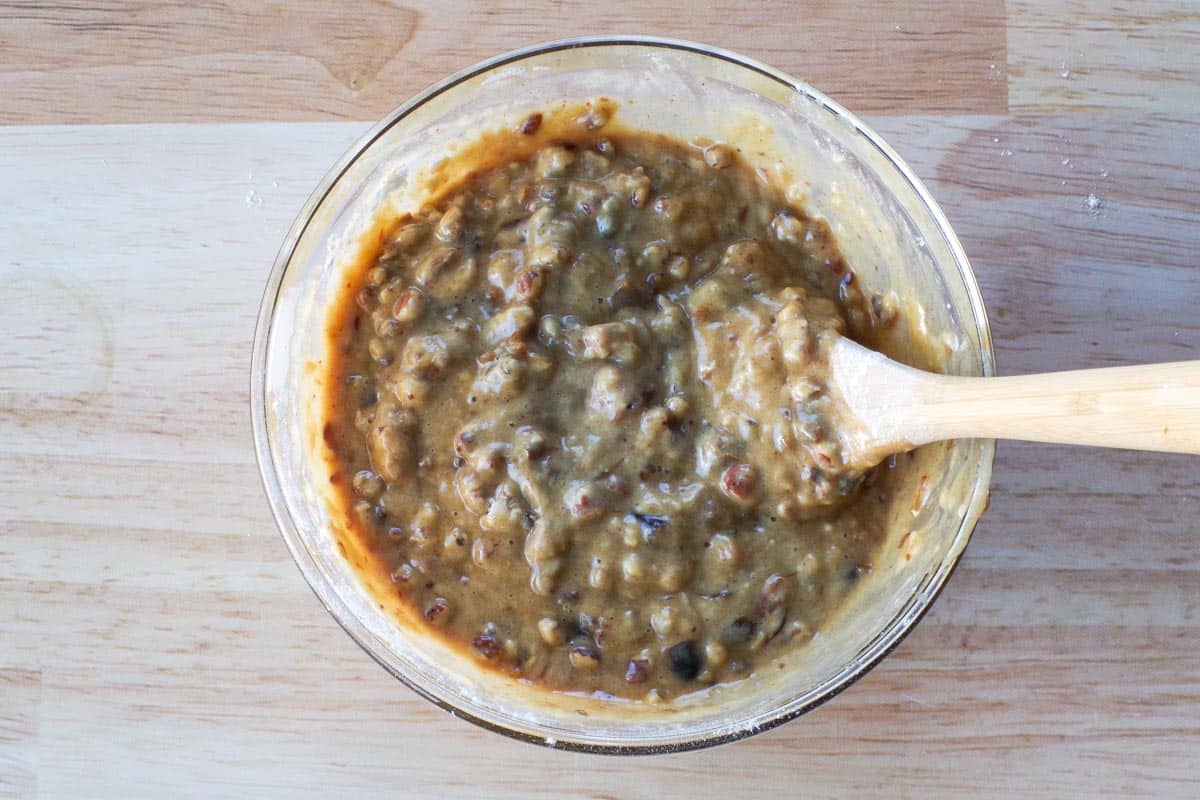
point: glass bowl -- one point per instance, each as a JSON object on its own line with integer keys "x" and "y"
{"x": 891, "y": 233}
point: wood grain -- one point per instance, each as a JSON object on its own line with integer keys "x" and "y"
{"x": 155, "y": 638}
{"x": 145, "y": 62}
{"x": 19, "y": 716}
{"x": 1141, "y": 56}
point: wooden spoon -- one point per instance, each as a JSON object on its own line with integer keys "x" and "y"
{"x": 889, "y": 408}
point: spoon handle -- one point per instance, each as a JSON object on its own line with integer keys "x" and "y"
{"x": 1145, "y": 407}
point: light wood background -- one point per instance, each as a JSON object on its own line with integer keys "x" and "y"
{"x": 157, "y": 641}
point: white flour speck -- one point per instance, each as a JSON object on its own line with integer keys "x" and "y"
{"x": 253, "y": 199}
{"x": 1066, "y": 162}
{"x": 1093, "y": 203}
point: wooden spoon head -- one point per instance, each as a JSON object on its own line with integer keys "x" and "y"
{"x": 870, "y": 392}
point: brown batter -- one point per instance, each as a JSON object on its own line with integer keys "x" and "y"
{"x": 580, "y": 418}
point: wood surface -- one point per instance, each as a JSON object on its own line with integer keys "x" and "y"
{"x": 156, "y": 639}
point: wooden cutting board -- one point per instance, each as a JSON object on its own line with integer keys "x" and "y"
{"x": 156, "y": 639}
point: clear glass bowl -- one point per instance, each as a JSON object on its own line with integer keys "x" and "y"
{"x": 890, "y": 231}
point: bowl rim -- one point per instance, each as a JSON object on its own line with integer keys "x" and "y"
{"x": 872, "y": 654}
